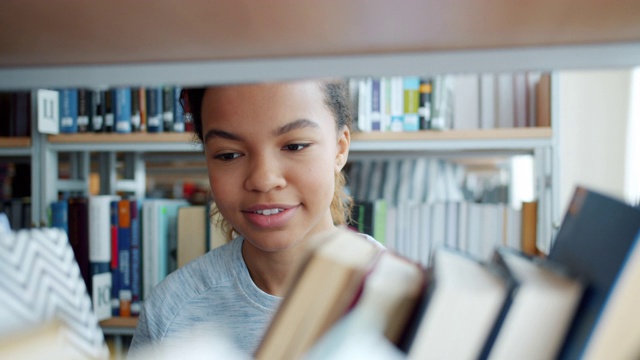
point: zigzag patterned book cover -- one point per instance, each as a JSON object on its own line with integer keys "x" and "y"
{"x": 40, "y": 283}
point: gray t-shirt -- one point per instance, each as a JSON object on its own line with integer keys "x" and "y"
{"x": 215, "y": 290}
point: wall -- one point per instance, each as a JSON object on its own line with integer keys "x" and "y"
{"x": 594, "y": 112}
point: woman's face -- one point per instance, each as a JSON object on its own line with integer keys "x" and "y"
{"x": 272, "y": 151}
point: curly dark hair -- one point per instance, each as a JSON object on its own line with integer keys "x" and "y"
{"x": 337, "y": 100}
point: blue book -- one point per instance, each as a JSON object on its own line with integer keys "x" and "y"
{"x": 136, "y": 285}
{"x": 154, "y": 110}
{"x": 124, "y": 256}
{"x": 60, "y": 215}
{"x": 599, "y": 239}
{"x": 411, "y": 89}
{"x": 122, "y": 107}
{"x": 375, "y": 105}
{"x": 115, "y": 271}
{"x": 69, "y": 111}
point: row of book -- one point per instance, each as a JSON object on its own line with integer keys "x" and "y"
{"x": 458, "y": 102}
{"x": 580, "y": 301}
{"x": 401, "y": 180}
{"x": 126, "y": 246}
{"x": 122, "y": 110}
{"x": 15, "y": 114}
{"x": 416, "y": 230}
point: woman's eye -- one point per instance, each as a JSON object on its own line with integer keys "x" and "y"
{"x": 295, "y": 147}
{"x": 227, "y": 156}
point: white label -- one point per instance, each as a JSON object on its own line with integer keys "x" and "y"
{"x": 97, "y": 122}
{"x": 48, "y": 112}
{"x": 108, "y": 120}
{"x": 167, "y": 116}
{"x": 178, "y": 127}
{"x": 123, "y": 126}
{"x": 135, "y": 120}
{"x": 66, "y": 121}
{"x": 154, "y": 121}
{"x": 101, "y": 295}
{"x": 83, "y": 120}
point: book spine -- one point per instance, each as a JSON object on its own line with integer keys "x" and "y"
{"x": 79, "y": 235}
{"x": 84, "y": 110}
{"x": 135, "y": 109}
{"x": 100, "y": 255}
{"x": 97, "y": 111}
{"x": 108, "y": 110}
{"x": 124, "y": 257}
{"x": 115, "y": 271}
{"x": 136, "y": 287}
{"x": 411, "y": 101}
{"x": 397, "y": 101}
{"x": 142, "y": 99}
{"x": 375, "y": 105}
{"x": 178, "y": 112}
{"x": 168, "y": 102}
{"x": 154, "y": 110}
{"x": 69, "y": 111}
{"x": 424, "y": 109}
{"x": 122, "y": 110}
{"x": 60, "y": 215}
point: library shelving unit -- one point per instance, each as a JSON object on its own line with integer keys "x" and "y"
{"x": 216, "y": 42}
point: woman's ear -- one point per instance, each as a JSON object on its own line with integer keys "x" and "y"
{"x": 344, "y": 140}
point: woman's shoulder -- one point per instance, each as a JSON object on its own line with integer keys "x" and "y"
{"x": 204, "y": 272}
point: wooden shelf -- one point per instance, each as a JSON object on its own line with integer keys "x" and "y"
{"x": 225, "y": 30}
{"x": 138, "y": 137}
{"x": 119, "y": 322}
{"x": 426, "y": 135}
{"x": 15, "y": 142}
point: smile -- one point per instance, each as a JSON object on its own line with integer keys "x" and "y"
{"x": 268, "y": 212}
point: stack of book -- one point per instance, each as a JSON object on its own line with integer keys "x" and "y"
{"x": 580, "y": 301}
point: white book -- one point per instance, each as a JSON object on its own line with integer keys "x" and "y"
{"x": 391, "y": 182}
{"x": 425, "y": 234}
{"x": 520, "y": 101}
{"x": 506, "y": 110}
{"x": 419, "y": 183}
{"x": 438, "y": 226}
{"x": 397, "y": 104}
{"x": 466, "y": 100}
{"x": 487, "y": 101}
{"x": 463, "y": 226}
{"x": 377, "y": 173}
{"x": 364, "y": 105}
{"x": 405, "y": 180}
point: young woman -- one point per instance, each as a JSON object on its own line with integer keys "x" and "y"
{"x": 274, "y": 155}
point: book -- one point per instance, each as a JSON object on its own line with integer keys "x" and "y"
{"x": 109, "y": 105}
{"x": 178, "y": 112}
{"x": 598, "y": 238}
{"x": 136, "y": 258}
{"x": 529, "y": 227}
{"x": 488, "y": 100}
{"x": 124, "y": 257}
{"x": 192, "y": 233}
{"x": 85, "y": 98}
{"x": 68, "y": 111}
{"x": 466, "y": 102}
{"x": 411, "y": 102}
{"x": 389, "y": 296}
{"x": 136, "y": 110}
{"x": 122, "y": 110}
{"x": 543, "y": 103}
{"x": 79, "y": 235}
{"x": 323, "y": 287}
{"x": 154, "y": 109}
{"x": 540, "y": 308}
{"x": 60, "y": 215}
{"x": 115, "y": 270}
{"x": 458, "y": 312}
{"x": 424, "y": 109}
{"x": 168, "y": 102}
{"x": 97, "y": 110}
{"x": 100, "y": 253}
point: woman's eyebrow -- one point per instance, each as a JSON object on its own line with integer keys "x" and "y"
{"x": 214, "y": 133}
{"x": 294, "y": 125}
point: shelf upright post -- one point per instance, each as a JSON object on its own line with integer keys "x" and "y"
{"x": 48, "y": 178}
{"x": 556, "y": 214}
{"x": 38, "y": 218}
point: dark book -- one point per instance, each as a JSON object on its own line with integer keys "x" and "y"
{"x": 136, "y": 114}
{"x": 424, "y": 108}
{"x": 84, "y": 110}
{"x": 168, "y": 102}
{"x": 21, "y": 114}
{"x": 109, "y": 102}
{"x": 115, "y": 271}
{"x": 178, "y": 111}
{"x": 79, "y": 235}
{"x": 598, "y": 239}
{"x": 154, "y": 110}
{"x": 60, "y": 215}
{"x": 5, "y": 113}
{"x": 98, "y": 111}
{"x": 124, "y": 256}
{"x": 135, "y": 268}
